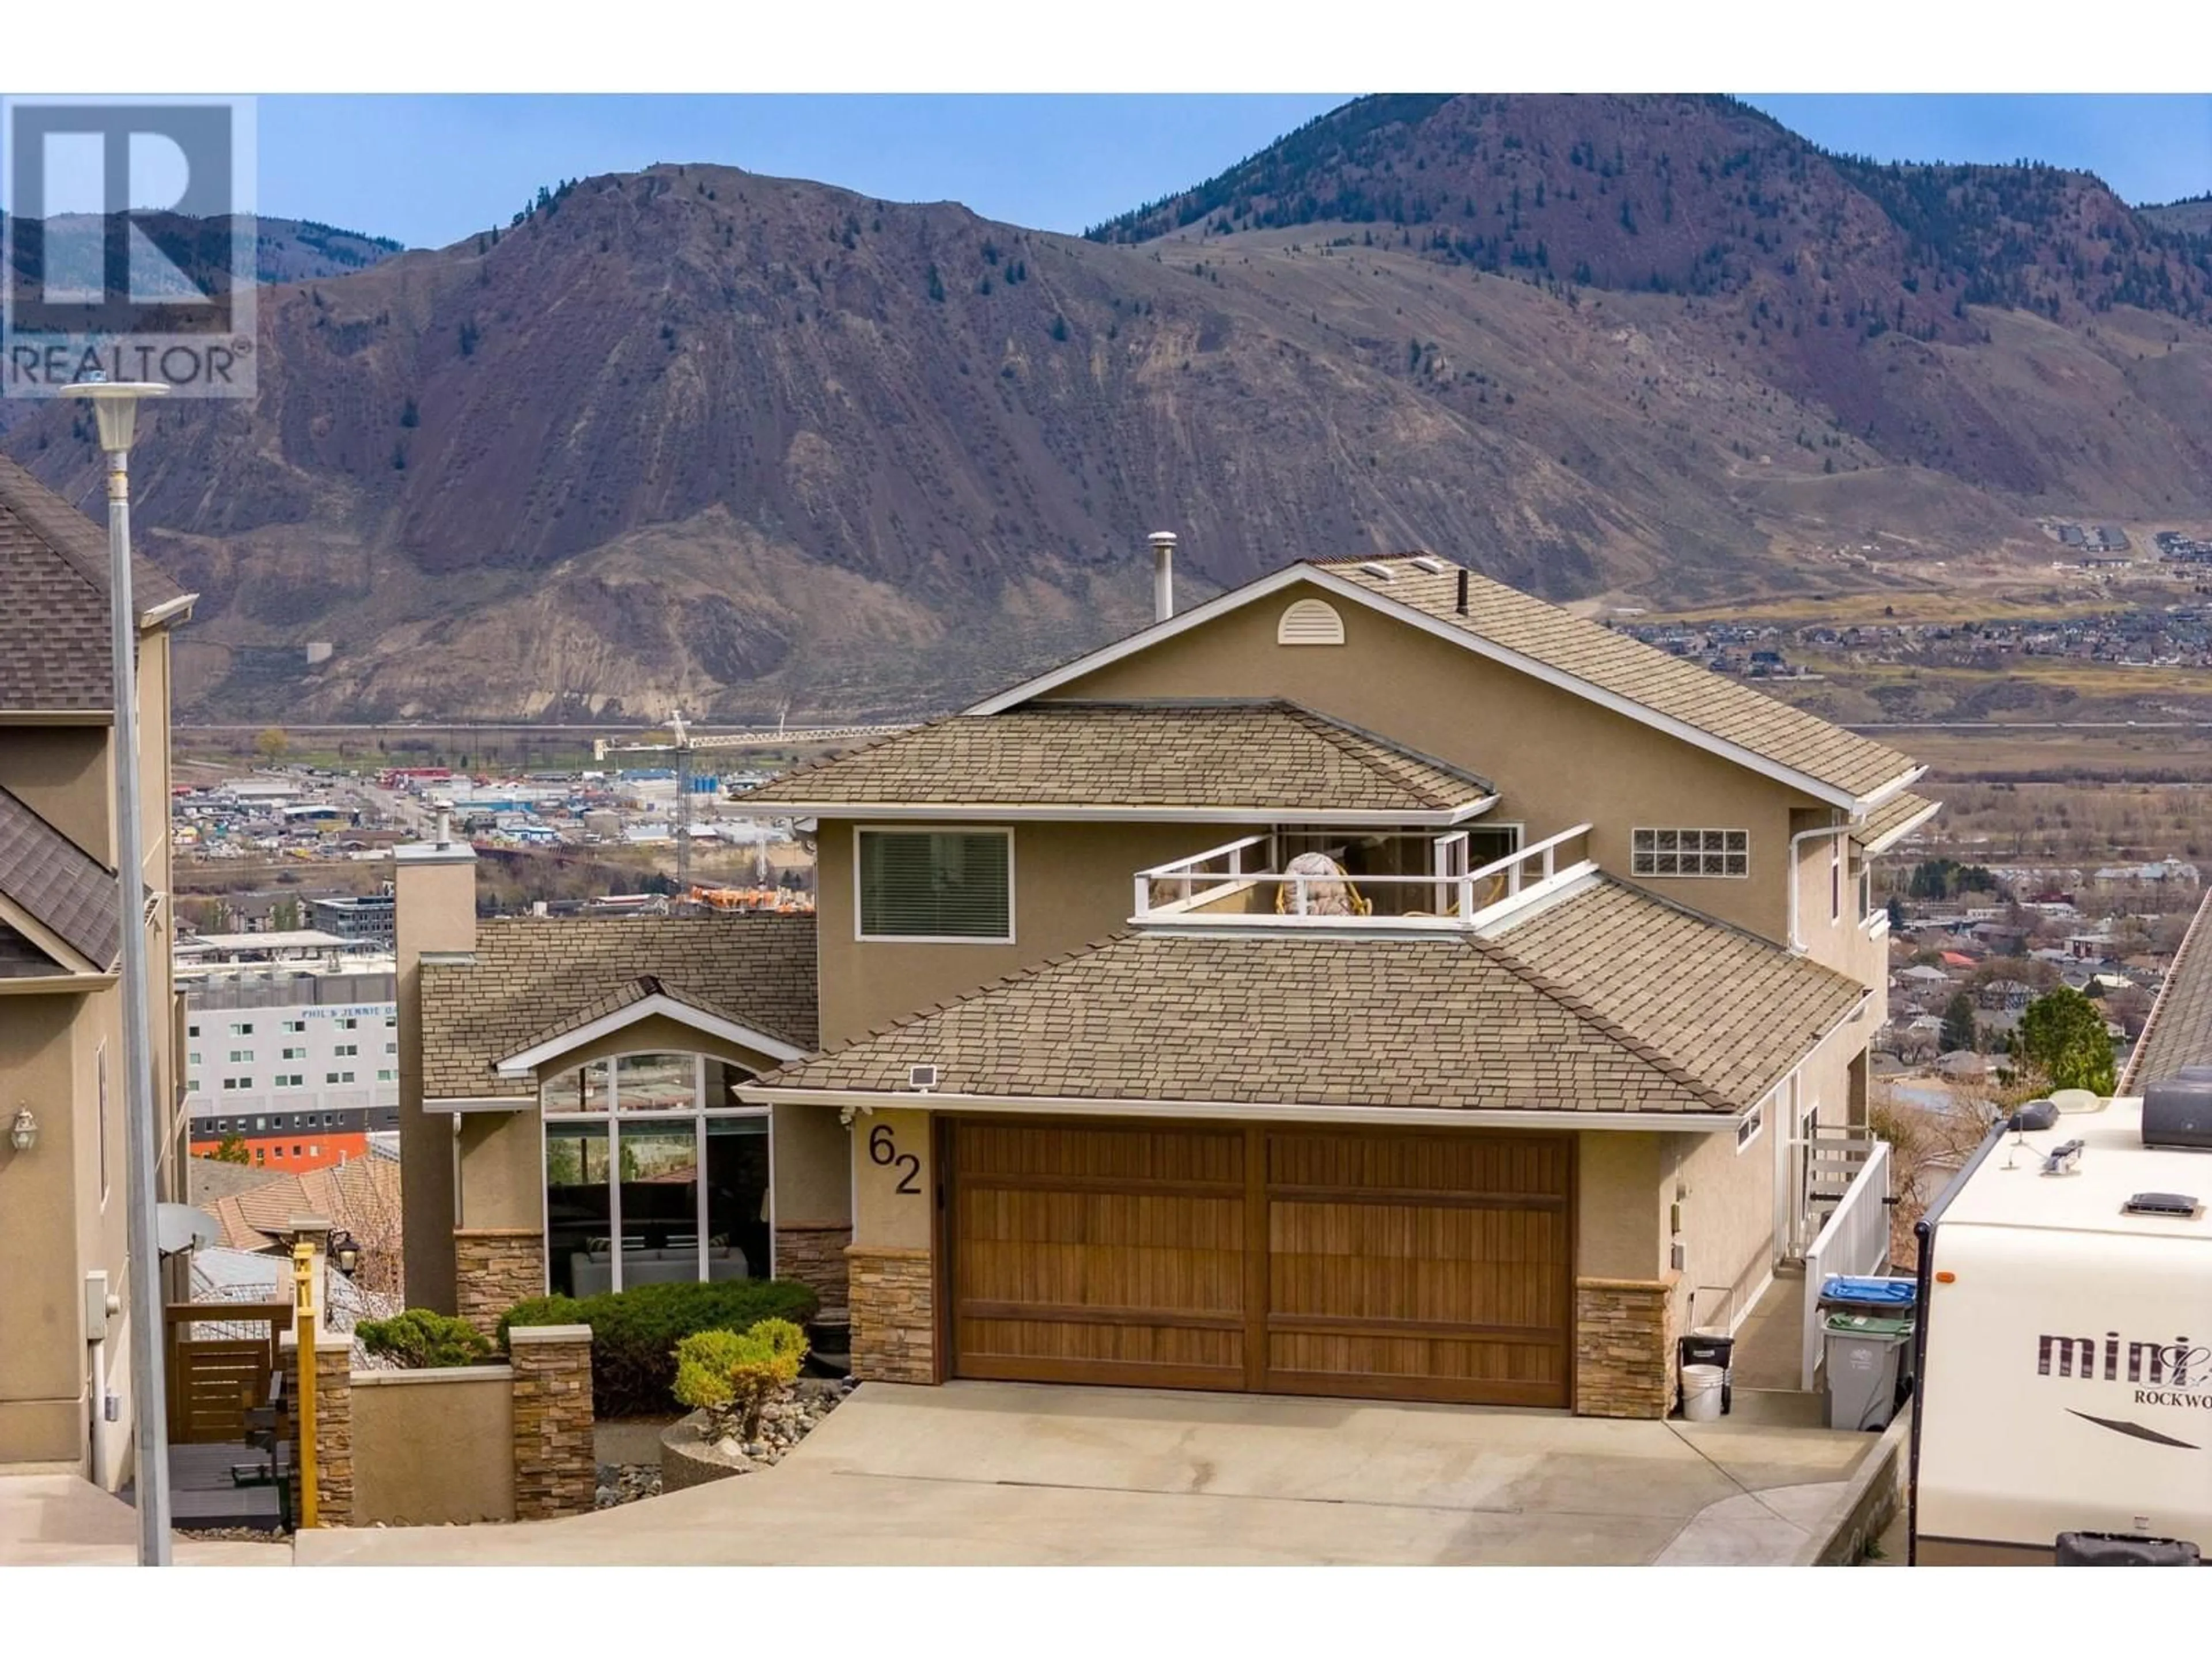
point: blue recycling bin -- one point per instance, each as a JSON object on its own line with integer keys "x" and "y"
{"x": 1865, "y": 1296}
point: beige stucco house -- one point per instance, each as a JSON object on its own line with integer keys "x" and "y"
{"x": 63, "y": 1355}
{"x": 1373, "y": 982}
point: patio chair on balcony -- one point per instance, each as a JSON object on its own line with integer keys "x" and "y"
{"x": 1333, "y": 895}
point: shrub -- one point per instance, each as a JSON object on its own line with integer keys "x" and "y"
{"x": 422, "y": 1340}
{"x": 733, "y": 1376}
{"x": 634, "y": 1333}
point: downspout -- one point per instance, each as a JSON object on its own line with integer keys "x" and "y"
{"x": 1796, "y": 944}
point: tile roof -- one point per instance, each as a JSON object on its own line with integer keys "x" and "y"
{"x": 531, "y": 974}
{"x": 59, "y": 884}
{"x": 1263, "y": 753}
{"x": 359, "y": 1196}
{"x": 1613, "y": 662}
{"x": 54, "y": 648}
{"x": 2178, "y": 1032}
{"x": 1607, "y": 1000}
{"x": 1890, "y": 820}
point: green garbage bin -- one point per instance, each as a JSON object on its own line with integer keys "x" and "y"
{"x": 1864, "y": 1354}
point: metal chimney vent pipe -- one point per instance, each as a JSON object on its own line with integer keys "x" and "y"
{"x": 1462, "y": 590}
{"x": 1163, "y": 544}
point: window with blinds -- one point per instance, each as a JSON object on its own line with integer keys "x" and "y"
{"x": 936, "y": 883}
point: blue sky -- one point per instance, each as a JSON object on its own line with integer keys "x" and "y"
{"x": 430, "y": 170}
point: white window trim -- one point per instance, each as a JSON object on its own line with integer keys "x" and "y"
{"x": 1694, "y": 829}
{"x": 1013, "y": 924}
{"x": 1755, "y": 1122}
{"x": 696, "y": 1115}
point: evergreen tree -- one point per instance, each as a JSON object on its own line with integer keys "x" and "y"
{"x": 2064, "y": 1035}
{"x": 1959, "y": 1023}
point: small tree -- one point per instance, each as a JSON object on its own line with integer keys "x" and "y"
{"x": 2063, "y": 1035}
{"x": 231, "y": 1150}
{"x": 271, "y": 743}
{"x": 1959, "y": 1023}
{"x": 733, "y": 1375}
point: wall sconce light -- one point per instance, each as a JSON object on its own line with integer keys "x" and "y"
{"x": 23, "y": 1133}
{"x": 345, "y": 1255}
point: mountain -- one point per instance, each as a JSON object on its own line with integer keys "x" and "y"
{"x": 286, "y": 250}
{"x": 748, "y": 444}
{"x": 2192, "y": 215}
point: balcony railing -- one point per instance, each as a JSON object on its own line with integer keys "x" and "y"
{"x": 1247, "y": 883}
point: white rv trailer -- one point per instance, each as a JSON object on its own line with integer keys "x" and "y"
{"x": 2065, "y": 1333}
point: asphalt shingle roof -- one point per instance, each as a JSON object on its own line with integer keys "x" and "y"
{"x": 535, "y": 977}
{"x": 2179, "y": 1030}
{"x": 1887, "y": 820}
{"x": 1607, "y": 1000}
{"x": 54, "y": 649}
{"x": 1262, "y": 754}
{"x": 1612, "y": 662}
{"x": 60, "y": 885}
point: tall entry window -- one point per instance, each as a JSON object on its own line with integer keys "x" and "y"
{"x": 654, "y": 1174}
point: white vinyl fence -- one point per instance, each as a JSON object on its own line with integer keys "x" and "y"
{"x": 1855, "y": 1239}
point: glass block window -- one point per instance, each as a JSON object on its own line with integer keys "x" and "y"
{"x": 1690, "y": 853}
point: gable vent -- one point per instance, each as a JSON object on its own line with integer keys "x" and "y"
{"x": 1310, "y": 622}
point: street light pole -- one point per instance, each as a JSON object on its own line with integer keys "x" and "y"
{"x": 116, "y": 405}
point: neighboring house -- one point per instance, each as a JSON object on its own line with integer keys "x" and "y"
{"x": 2005, "y": 995}
{"x": 1373, "y": 982}
{"x": 61, "y": 1207}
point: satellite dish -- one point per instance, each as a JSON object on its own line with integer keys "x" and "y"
{"x": 179, "y": 1227}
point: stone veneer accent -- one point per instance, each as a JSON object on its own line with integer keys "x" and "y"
{"x": 815, "y": 1256}
{"x": 553, "y": 1470}
{"x": 894, "y": 1312}
{"x": 1623, "y": 1347}
{"x": 494, "y": 1268}
{"x": 334, "y": 1426}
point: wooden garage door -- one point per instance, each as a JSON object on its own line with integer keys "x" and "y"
{"x": 1401, "y": 1266}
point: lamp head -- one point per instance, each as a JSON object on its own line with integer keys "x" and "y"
{"x": 23, "y": 1132}
{"x": 115, "y": 405}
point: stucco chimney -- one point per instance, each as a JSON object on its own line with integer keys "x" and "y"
{"x": 1163, "y": 544}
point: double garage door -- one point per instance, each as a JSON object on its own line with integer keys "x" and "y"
{"x": 1394, "y": 1266}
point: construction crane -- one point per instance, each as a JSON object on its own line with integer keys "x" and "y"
{"x": 686, "y": 745}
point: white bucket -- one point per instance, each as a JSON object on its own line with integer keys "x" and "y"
{"x": 1701, "y": 1393}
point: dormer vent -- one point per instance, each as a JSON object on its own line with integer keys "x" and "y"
{"x": 1429, "y": 562}
{"x": 1382, "y": 573}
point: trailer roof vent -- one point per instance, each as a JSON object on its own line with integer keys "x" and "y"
{"x": 2177, "y": 1110}
{"x": 2177, "y": 1206}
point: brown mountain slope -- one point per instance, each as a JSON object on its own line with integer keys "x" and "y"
{"x": 698, "y": 436}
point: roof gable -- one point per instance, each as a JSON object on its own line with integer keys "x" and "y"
{"x": 1581, "y": 657}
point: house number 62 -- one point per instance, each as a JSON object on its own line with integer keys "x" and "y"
{"x": 884, "y": 1149}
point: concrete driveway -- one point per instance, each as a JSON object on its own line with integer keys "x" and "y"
{"x": 1005, "y": 1473}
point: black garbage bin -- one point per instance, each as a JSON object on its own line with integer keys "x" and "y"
{"x": 1711, "y": 1348}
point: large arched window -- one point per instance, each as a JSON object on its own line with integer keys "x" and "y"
{"x": 655, "y": 1173}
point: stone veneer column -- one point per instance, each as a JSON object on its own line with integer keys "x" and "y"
{"x": 894, "y": 1313}
{"x": 1623, "y": 1347}
{"x": 815, "y": 1257}
{"x": 555, "y": 1472}
{"x": 494, "y": 1268}
{"x": 333, "y": 1425}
